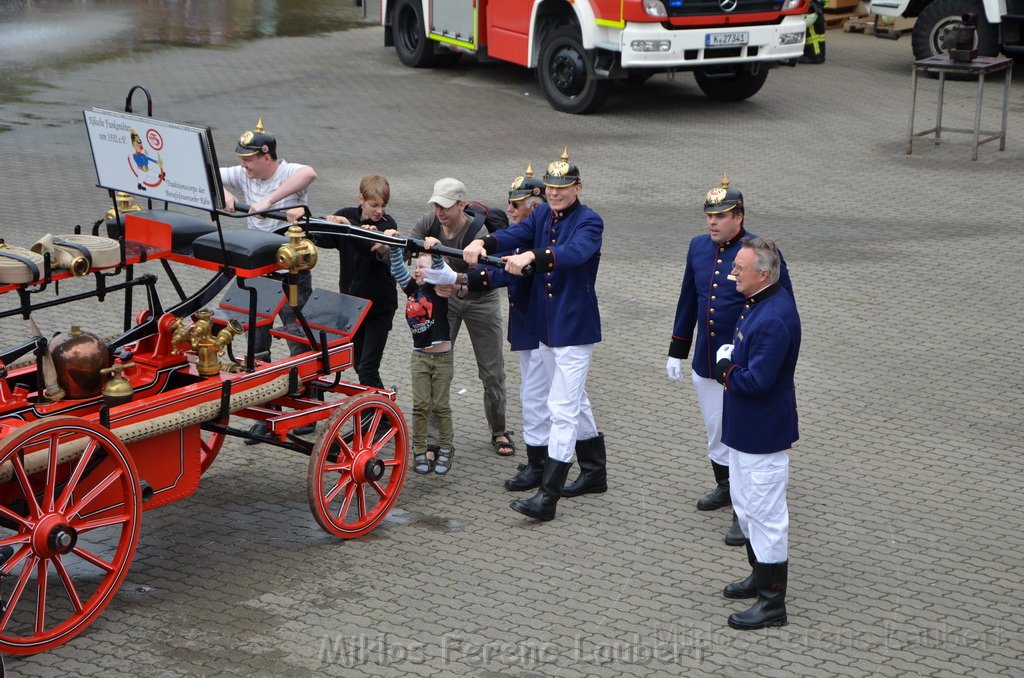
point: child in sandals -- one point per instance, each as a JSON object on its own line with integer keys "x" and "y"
{"x": 432, "y": 359}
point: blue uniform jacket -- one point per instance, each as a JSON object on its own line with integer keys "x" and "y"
{"x": 759, "y": 408}
{"x": 520, "y": 338}
{"x": 708, "y": 300}
{"x": 562, "y": 308}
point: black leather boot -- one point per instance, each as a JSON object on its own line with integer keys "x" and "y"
{"x": 734, "y": 537}
{"x": 744, "y": 588}
{"x": 593, "y": 477}
{"x": 541, "y": 506}
{"x": 529, "y": 473}
{"x": 718, "y": 497}
{"x": 770, "y": 580}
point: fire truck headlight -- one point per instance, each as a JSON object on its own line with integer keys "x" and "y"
{"x": 791, "y": 38}
{"x": 656, "y": 8}
{"x": 791, "y": 4}
{"x": 651, "y": 45}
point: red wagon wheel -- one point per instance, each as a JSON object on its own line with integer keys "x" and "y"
{"x": 70, "y": 510}
{"x": 358, "y": 465}
{"x": 210, "y": 443}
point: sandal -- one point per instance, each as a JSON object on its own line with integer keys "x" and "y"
{"x": 421, "y": 464}
{"x": 503, "y": 448}
{"x": 443, "y": 461}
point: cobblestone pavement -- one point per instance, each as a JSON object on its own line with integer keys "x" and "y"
{"x": 906, "y": 492}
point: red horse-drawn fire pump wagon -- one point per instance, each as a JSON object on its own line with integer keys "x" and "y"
{"x": 96, "y": 431}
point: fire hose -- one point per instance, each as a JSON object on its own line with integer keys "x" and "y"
{"x": 37, "y": 461}
{"x": 19, "y": 265}
{"x": 76, "y": 253}
{"x": 79, "y": 253}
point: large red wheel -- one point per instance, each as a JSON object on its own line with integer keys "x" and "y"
{"x": 210, "y": 443}
{"x": 358, "y": 465}
{"x": 71, "y": 528}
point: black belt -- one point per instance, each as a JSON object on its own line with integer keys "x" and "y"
{"x": 81, "y": 249}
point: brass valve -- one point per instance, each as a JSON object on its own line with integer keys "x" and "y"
{"x": 117, "y": 390}
{"x": 200, "y": 337}
{"x": 298, "y": 254}
{"x": 124, "y": 204}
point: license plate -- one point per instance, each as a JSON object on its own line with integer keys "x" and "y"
{"x": 726, "y": 39}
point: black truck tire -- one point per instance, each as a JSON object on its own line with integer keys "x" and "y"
{"x": 566, "y": 74}
{"x": 939, "y": 17}
{"x": 730, "y": 83}
{"x": 411, "y": 43}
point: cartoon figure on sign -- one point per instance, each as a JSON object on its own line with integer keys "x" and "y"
{"x": 140, "y": 161}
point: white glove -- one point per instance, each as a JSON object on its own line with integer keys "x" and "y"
{"x": 674, "y": 369}
{"x": 724, "y": 352}
{"x": 440, "y": 276}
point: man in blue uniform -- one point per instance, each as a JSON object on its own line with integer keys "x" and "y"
{"x": 524, "y": 196}
{"x": 708, "y": 300}
{"x": 562, "y": 241}
{"x": 759, "y": 425}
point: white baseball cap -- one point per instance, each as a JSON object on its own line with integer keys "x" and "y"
{"x": 447, "y": 192}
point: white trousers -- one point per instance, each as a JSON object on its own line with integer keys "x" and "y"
{"x": 565, "y": 374}
{"x": 533, "y": 392}
{"x": 758, "y": 483}
{"x": 709, "y": 396}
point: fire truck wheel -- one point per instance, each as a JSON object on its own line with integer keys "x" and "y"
{"x": 358, "y": 465}
{"x": 730, "y": 83}
{"x": 940, "y": 17}
{"x": 566, "y": 74}
{"x": 411, "y": 43}
{"x": 638, "y": 76}
{"x": 70, "y": 511}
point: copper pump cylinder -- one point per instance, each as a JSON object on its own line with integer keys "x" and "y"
{"x": 78, "y": 358}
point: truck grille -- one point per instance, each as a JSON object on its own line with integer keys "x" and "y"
{"x": 678, "y": 8}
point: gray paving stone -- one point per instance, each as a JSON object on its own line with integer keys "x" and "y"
{"x": 906, "y": 491}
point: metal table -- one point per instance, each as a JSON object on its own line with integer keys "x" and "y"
{"x": 979, "y": 67}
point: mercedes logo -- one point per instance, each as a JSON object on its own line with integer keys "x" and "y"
{"x": 728, "y": 5}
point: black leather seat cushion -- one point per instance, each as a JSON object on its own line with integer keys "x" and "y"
{"x": 185, "y": 228}
{"x": 247, "y": 249}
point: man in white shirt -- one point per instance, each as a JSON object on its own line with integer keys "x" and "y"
{"x": 263, "y": 181}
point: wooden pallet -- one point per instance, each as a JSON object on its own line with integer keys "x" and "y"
{"x": 866, "y": 25}
{"x": 838, "y": 19}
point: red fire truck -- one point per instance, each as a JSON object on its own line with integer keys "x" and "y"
{"x": 580, "y": 46}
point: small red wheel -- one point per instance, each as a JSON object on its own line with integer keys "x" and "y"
{"x": 210, "y": 443}
{"x": 358, "y": 465}
{"x": 71, "y": 527}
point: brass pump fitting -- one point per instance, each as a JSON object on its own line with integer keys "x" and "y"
{"x": 298, "y": 254}
{"x": 200, "y": 337}
{"x": 210, "y": 348}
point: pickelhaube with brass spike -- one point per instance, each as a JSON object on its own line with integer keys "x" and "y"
{"x": 562, "y": 173}
{"x": 256, "y": 142}
{"x": 525, "y": 186}
{"x": 723, "y": 198}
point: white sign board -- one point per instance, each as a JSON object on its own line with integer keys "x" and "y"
{"x": 154, "y": 159}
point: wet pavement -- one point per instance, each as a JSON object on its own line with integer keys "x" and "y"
{"x": 906, "y": 496}
{"x": 56, "y": 33}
